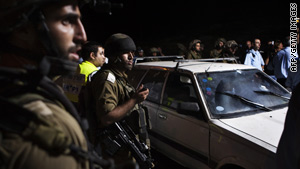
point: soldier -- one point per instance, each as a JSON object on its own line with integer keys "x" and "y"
{"x": 230, "y": 49}
{"x": 217, "y": 52}
{"x": 113, "y": 98}
{"x": 39, "y": 127}
{"x": 194, "y": 50}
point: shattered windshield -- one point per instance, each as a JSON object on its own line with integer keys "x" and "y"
{"x": 235, "y": 92}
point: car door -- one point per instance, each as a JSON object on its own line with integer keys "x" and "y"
{"x": 184, "y": 128}
{"x": 154, "y": 81}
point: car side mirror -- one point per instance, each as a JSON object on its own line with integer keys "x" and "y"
{"x": 188, "y": 106}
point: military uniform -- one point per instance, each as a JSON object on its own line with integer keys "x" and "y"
{"x": 44, "y": 140}
{"x": 216, "y": 53}
{"x": 193, "y": 55}
{"x": 109, "y": 88}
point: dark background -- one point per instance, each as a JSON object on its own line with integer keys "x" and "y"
{"x": 166, "y": 23}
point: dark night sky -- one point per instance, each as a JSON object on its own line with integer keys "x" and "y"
{"x": 165, "y": 23}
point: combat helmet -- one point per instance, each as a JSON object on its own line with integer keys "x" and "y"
{"x": 117, "y": 44}
{"x": 193, "y": 43}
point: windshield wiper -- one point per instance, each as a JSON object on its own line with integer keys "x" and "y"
{"x": 271, "y": 93}
{"x": 262, "y": 107}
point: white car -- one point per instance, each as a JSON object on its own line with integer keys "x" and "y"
{"x": 213, "y": 115}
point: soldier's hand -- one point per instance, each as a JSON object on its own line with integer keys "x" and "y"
{"x": 141, "y": 93}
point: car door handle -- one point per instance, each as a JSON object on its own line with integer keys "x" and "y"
{"x": 162, "y": 116}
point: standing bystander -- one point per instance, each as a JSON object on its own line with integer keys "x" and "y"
{"x": 282, "y": 62}
{"x": 93, "y": 57}
{"x": 253, "y": 57}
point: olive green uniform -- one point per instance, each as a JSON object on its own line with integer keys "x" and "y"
{"x": 193, "y": 55}
{"x": 215, "y": 53}
{"x": 109, "y": 89}
{"x": 42, "y": 144}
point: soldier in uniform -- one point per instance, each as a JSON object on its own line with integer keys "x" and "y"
{"x": 113, "y": 98}
{"x": 230, "y": 49}
{"x": 194, "y": 50}
{"x": 217, "y": 52}
{"x": 39, "y": 127}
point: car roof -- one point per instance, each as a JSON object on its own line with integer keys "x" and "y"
{"x": 195, "y": 67}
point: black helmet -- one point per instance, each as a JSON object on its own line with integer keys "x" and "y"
{"x": 118, "y": 43}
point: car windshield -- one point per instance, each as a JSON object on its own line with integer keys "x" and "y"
{"x": 240, "y": 91}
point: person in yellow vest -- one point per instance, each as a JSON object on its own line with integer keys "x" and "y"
{"x": 93, "y": 57}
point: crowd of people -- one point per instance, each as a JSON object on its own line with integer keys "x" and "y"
{"x": 273, "y": 58}
{"x": 39, "y": 126}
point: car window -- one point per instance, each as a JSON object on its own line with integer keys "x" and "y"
{"x": 135, "y": 76}
{"x": 239, "y": 91}
{"x": 154, "y": 81}
{"x": 179, "y": 89}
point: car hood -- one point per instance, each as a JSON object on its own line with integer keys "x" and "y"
{"x": 266, "y": 126}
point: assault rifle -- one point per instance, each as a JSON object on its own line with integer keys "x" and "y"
{"x": 120, "y": 134}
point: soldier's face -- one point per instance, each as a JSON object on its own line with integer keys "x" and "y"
{"x": 221, "y": 44}
{"x": 198, "y": 47}
{"x": 127, "y": 60}
{"x": 66, "y": 29}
